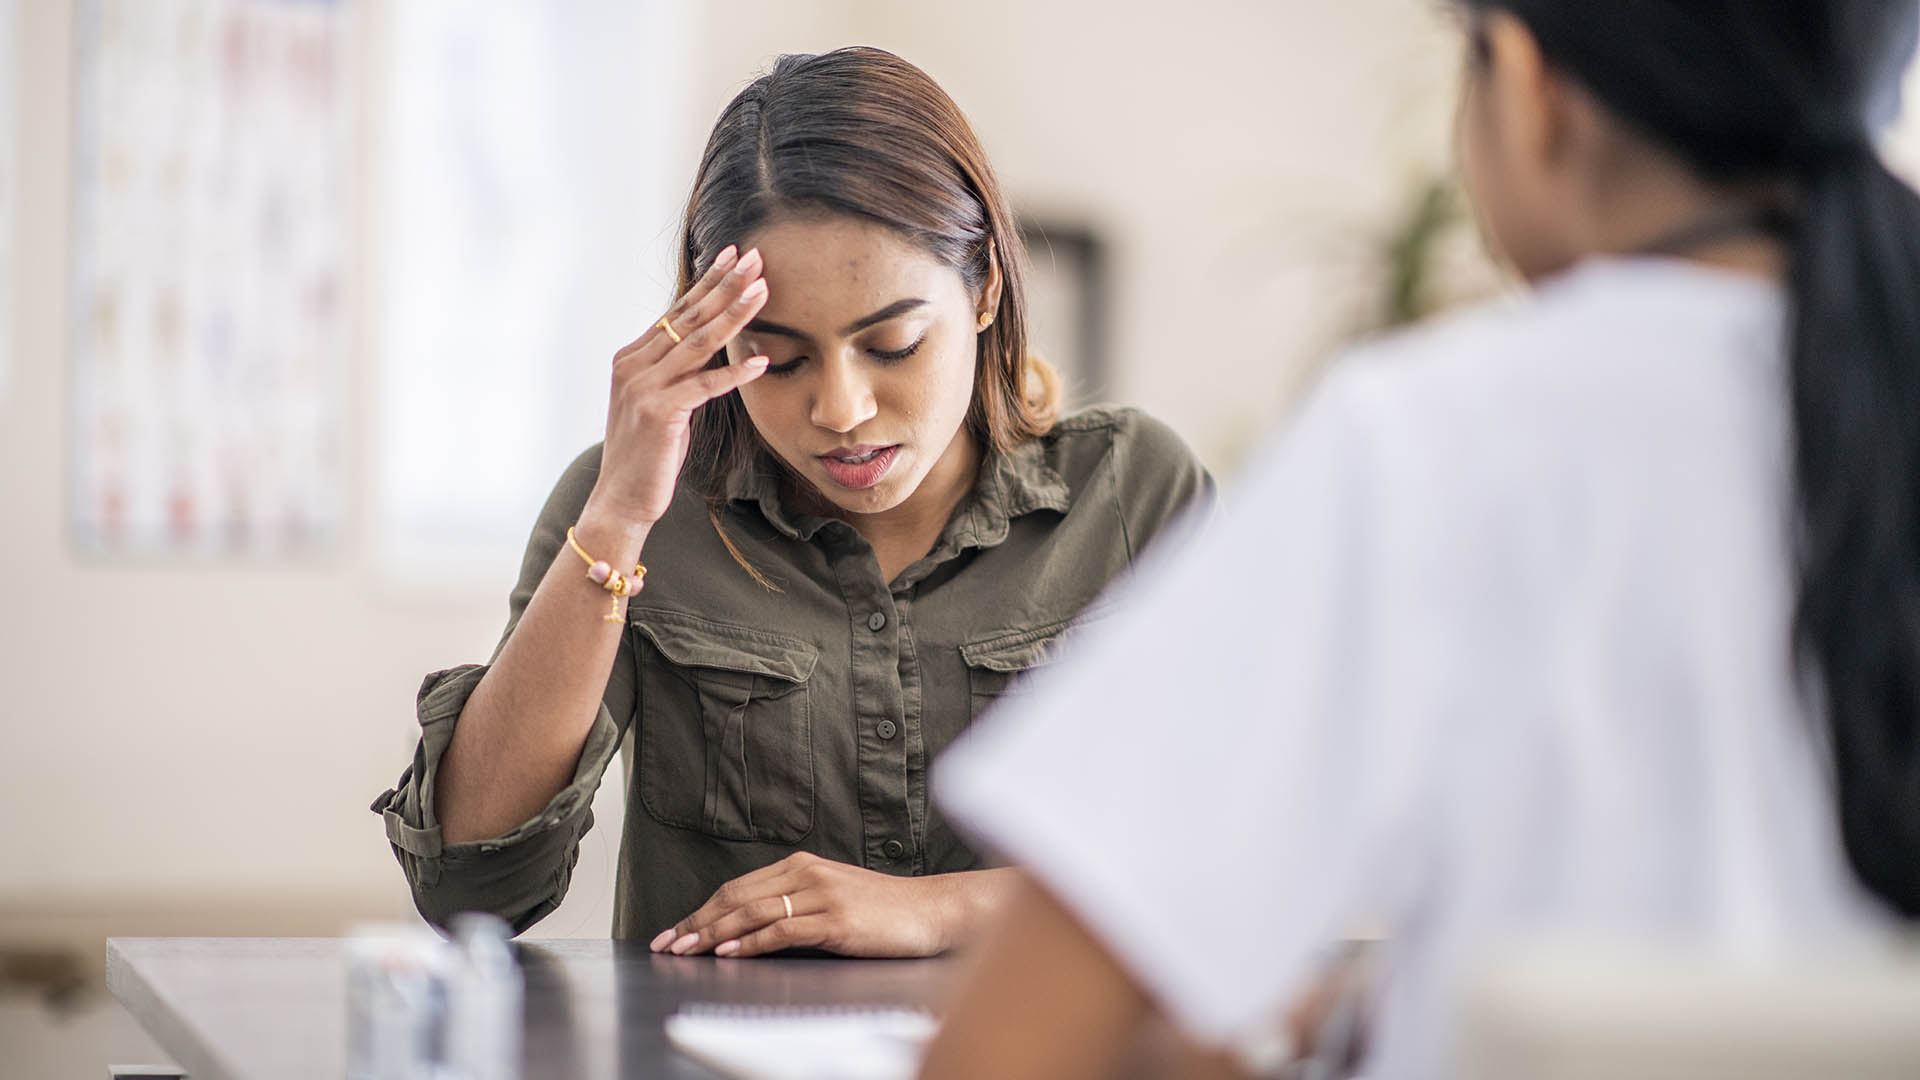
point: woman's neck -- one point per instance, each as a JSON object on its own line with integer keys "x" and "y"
{"x": 1658, "y": 207}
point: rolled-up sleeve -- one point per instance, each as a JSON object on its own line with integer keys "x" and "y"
{"x": 522, "y": 874}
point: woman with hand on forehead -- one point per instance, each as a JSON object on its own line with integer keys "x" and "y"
{"x": 859, "y": 518}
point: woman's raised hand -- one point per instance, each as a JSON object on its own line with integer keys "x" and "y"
{"x": 658, "y": 383}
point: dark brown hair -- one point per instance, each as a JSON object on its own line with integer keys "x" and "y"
{"x": 1772, "y": 90}
{"x": 863, "y": 133}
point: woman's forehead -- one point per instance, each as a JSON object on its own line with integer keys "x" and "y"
{"x": 828, "y": 272}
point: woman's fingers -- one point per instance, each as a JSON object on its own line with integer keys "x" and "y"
{"x": 767, "y": 881}
{"x": 676, "y": 314}
{"x": 846, "y": 908}
{"x": 699, "y": 307}
{"x": 701, "y": 387}
{"x": 723, "y": 264}
{"x": 719, "y": 318}
{"x": 799, "y": 932}
{"x": 742, "y": 921}
{"x": 707, "y": 327}
{"x": 738, "y": 900}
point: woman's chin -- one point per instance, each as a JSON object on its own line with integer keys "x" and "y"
{"x": 868, "y": 501}
{"x": 879, "y": 498}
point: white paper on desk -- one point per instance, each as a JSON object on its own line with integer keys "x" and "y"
{"x": 802, "y": 1043}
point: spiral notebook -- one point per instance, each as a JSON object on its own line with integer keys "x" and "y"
{"x": 803, "y": 1042}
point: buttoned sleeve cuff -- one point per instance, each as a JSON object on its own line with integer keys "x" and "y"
{"x": 520, "y": 875}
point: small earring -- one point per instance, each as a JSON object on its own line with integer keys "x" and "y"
{"x": 986, "y": 320}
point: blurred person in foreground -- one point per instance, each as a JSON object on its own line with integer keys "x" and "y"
{"x": 1595, "y": 613}
{"x": 861, "y": 516}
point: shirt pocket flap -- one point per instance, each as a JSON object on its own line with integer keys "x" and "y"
{"x": 1010, "y": 652}
{"x": 691, "y": 642}
{"x": 1014, "y": 651}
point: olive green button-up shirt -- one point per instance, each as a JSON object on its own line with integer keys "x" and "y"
{"x": 757, "y": 723}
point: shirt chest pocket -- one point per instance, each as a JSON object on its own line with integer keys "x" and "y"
{"x": 997, "y": 665}
{"x": 725, "y": 728}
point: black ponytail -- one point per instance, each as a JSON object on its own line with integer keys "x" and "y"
{"x": 1855, "y": 370}
{"x": 1777, "y": 93}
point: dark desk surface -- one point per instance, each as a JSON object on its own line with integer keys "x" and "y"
{"x": 258, "y": 1008}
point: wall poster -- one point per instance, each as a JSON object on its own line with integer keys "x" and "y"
{"x": 212, "y": 181}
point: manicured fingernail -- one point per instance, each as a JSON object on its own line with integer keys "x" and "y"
{"x": 680, "y": 947}
{"x": 727, "y": 948}
{"x": 756, "y": 361}
{"x": 754, "y": 291}
{"x": 726, "y": 254}
{"x": 664, "y": 939}
{"x": 749, "y": 262}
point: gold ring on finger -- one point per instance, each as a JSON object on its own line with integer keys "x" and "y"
{"x": 668, "y": 327}
{"x": 787, "y": 900}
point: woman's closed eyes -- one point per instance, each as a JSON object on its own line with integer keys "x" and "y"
{"x": 891, "y": 355}
{"x": 885, "y": 356}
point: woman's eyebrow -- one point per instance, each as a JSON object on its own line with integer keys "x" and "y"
{"x": 891, "y": 311}
{"x": 762, "y": 326}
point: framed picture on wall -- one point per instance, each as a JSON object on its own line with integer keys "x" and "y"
{"x": 208, "y": 333}
{"x": 1068, "y": 303}
{"x": 10, "y": 137}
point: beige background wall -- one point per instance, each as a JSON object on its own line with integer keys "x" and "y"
{"x": 178, "y": 733}
{"x": 191, "y": 748}
{"x": 1243, "y": 159}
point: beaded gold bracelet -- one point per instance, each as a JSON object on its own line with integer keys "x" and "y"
{"x": 605, "y": 576}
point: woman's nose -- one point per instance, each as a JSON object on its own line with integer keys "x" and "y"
{"x": 843, "y": 399}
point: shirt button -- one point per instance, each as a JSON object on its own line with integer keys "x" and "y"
{"x": 876, "y": 621}
{"x": 894, "y": 849}
{"x": 886, "y": 729}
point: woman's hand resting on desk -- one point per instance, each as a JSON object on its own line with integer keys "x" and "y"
{"x": 658, "y": 384}
{"x": 837, "y": 907}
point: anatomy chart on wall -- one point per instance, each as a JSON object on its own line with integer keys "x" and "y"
{"x": 10, "y": 137}
{"x": 211, "y": 208}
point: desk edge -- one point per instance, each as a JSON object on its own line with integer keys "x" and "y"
{"x": 160, "y": 1019}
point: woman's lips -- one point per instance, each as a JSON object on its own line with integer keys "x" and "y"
{"x": 860, "y": 467}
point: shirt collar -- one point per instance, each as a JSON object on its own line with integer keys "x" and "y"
{"x": 758, "y": 482}
{"x": 1011, "y": 485}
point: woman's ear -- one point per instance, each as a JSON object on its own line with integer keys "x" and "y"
{"x": 989, "y": 301}
{"x": 1530, "y": 98}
